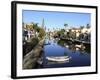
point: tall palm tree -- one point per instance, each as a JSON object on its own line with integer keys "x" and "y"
{"x": 35, "y": 27}
{"x": 66, "y": 25}
{"x": 88, "y": 26}
{"x": 81, "y": 27}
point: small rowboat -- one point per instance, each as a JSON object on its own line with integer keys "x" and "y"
{"x": 59, "y": 59}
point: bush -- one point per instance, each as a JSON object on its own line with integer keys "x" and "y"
{"x": 28, "y": 46}
{"x": 61, "y": 32}
{"x": 61, "y": 43}
{"x": 41, "y": 33}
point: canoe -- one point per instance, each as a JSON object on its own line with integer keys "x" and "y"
{"x": 59, "y": 59}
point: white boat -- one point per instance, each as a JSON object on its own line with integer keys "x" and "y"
{"x": 59, "y": 59}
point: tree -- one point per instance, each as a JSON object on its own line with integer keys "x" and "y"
{"x": 61, "y": 32}
{"x": 81, "y": 27}
{"x": 35, "y": 26}
{"x": 88, "y": 26}
{"x": 41, "y": 33}
{"x": 66, "y": 25}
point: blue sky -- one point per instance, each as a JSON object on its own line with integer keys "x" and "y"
{"x": 56, "y": 19}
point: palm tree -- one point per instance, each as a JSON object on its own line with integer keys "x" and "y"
{"x": 88, "y": 26}
{"x": 66, "y": 25}
{"x": 35, "y": 27}
{"x": 81, "y": 27}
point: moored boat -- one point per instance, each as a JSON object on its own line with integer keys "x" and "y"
{"x": 59, "y": 59}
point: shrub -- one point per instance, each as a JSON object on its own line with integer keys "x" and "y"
{"x": 41, "y": 33}
{"x": 28, "y": 46}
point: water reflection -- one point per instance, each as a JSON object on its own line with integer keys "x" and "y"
{"x": 75, "y": 47}
{"x": 54, "y": 47}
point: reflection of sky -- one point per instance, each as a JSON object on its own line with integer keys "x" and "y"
{"x": 56, "y": 19}
{"x": 77, "y": 58}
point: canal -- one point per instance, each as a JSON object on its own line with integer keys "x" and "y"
{"x": 56, "y": 48}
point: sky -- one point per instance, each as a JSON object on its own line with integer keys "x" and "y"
{"x": 53, "y": 20}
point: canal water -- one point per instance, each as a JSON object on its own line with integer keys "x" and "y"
{"x": 56, "y": 48}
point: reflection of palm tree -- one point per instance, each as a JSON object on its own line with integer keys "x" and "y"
{"x": 65, "y": 53}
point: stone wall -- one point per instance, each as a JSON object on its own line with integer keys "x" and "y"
{"x": 31, "y": 58}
